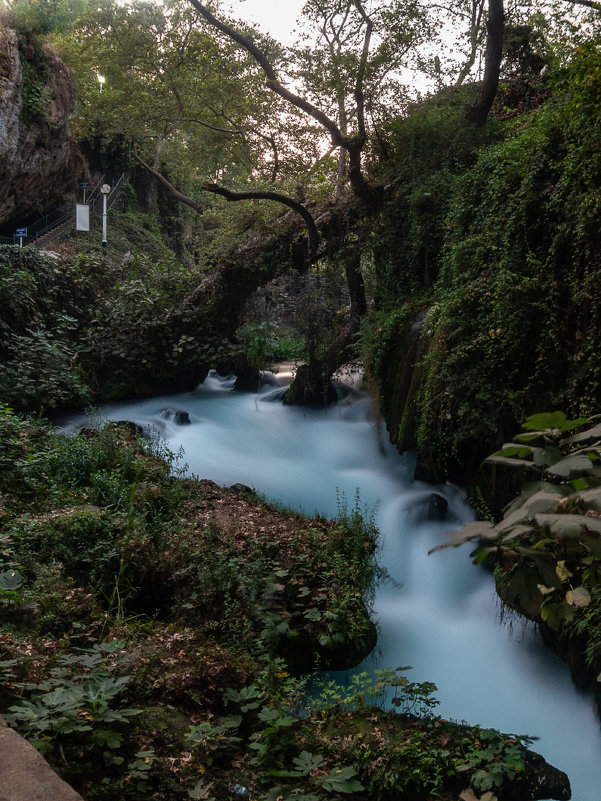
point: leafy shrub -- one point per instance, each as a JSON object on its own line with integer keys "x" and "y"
{"x": 75, "y": 706}
{"x": 38, "y": 346}
{"x": 35, "y": 92}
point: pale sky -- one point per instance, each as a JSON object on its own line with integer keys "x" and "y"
{"x": 276, "y": 17}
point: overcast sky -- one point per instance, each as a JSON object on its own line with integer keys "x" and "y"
{"x": 276, "y": 17}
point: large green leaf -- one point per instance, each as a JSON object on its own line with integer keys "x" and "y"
{"x": 515, "y": 451}
{"x": 10, "y": 581}
{"x": 567, "y": 526}
{"x": 571, "y": 467}
{"x": 531, "y": 438}
{"x": 507, "y": 461}
{"x": 591, "y": 498}
{"x": 545, "y": 457}
{"x": 532, "y": 488}
{"x": 555, "y": 612}
{"x": 590, "y": 435}
{"x": 552, "y": 420}
{"x": 523, "y": 590}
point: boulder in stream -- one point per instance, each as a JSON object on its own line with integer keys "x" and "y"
{"x": 178, "y": 416}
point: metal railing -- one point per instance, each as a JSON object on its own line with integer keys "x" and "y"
{"x": 65, "y": 213}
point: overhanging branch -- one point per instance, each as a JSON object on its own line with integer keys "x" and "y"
{"x": 255, "y": 194}
{"x": 277, "y": 197}
{"x": 587, "y": 3}
{"x": 169, "y": 186}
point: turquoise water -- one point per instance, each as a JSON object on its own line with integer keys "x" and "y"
{"x": 440, "y": 613}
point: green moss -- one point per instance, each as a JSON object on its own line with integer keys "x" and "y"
{"x": 515, "y": 272}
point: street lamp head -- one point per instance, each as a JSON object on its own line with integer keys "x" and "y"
{"x": 105, "y": 189}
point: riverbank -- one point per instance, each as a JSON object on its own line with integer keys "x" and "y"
{"x": 152, "y": 627}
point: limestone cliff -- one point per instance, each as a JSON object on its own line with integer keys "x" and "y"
{"x": 39, "y": 162}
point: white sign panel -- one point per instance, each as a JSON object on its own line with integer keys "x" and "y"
{"x": 82, "y": 217}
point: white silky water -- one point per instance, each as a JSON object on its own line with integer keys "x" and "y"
{"x": 439, "y": 614}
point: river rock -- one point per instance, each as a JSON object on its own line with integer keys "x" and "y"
{"x": 179, "y": 416}
{"x": 128, "y": 425}
{"x": 242, "y": 489}
{"x": 538, "y": 780}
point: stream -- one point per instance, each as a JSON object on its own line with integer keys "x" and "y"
{"x": 439, "y": 614}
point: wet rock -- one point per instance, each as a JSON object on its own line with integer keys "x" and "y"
{"x": 129, "y": 426}
{"x": 179, "y": 416}
{"x": 539, "y": 780}
{"x": 432, "y": 507}
{"x": 243, "y": 489}
{"x": 275, "y": 395}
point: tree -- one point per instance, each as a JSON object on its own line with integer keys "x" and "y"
{"x": 495, "y": 25}
{"x": 344, "y": 22}
{"x": 349, "y": 71}
{"x": 496, "y": 29}
{"x": 475, "y": 13}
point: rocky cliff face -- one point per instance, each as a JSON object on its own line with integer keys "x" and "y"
{"x": 39, "y": 162}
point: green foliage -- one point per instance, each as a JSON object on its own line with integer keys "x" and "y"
{"x": 36, "y": 18}
{"x": 282, "y": 582}
{"x": 72, "y": 326}
{"x": 431, "y": 147}
{"x": 265, "y": 345}
{"x": 310, "y": 595}
{"x": 35, "y": 93}
{"x": 76, "y": 703}
{"x": 385, "y": 687}
{"x": 515, "y": 317}
{"x": 494, "y": 758}
{"x": 546, "y": 546}
{"x": 38, "y": 349}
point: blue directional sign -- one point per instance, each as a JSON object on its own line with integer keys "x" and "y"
{"x": 84, "y": 184}
{"x": 21, "y": 232}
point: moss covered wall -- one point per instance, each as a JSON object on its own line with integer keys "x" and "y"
{"x": 515, "y": 303}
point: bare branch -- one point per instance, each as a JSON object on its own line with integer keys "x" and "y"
{"x": 359, "y": 96}
{"x": 277, "y": 197}
{"x": 169, "y": 186}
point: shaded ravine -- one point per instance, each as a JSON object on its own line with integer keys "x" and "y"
{"x": 439, "y": 613}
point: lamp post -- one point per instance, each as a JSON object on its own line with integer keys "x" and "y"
{"x": 105, "y": 191}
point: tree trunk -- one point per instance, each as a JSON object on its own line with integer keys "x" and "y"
{"x": 478, "y": 113}
{"x": 312, "y": 383}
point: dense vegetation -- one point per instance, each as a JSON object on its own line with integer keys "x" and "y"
{"x": 144, "y": 627}
{"x": 506, "y": 236}
{"x": 146, "y": 623}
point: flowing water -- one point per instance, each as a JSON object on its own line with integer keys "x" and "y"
{"x": 439, "y": 613}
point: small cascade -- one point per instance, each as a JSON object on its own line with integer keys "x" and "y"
{"x": 217, "y": 383}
